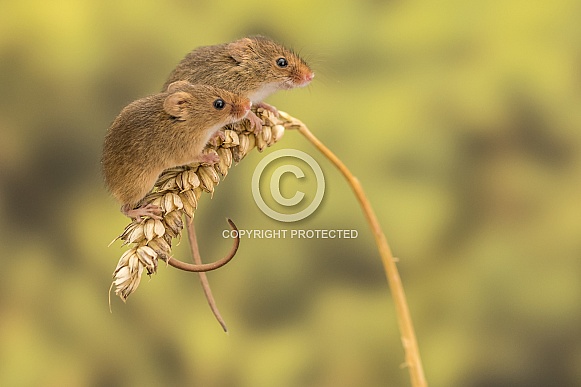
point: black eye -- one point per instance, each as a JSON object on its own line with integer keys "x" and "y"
{"x": 281, "y": 62}
{"x": 219, "y": 104}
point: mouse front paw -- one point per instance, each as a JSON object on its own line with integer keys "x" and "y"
{"x": 218, "y": 138}
{"x": 255, "y": 122}
{"x": 268, "y": 107}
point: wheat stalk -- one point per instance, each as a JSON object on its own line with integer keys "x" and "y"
{"x": 177, "y": 192}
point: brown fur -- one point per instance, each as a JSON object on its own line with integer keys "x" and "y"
{"x": 163, "y": 131}
{"x": 246, "y": 66}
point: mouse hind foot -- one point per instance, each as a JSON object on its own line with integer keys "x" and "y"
{"x": 149, "y": 210}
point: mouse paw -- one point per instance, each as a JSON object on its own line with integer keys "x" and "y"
{"x": 209, "y": 158}
{"x": 268, "y": 107}
{"x": 255, "y": 122}
{"x": 219, "y": 136}
{"x": 149, "y": 210}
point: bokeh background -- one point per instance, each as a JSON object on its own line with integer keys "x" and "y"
{"x": 462, "y": 120}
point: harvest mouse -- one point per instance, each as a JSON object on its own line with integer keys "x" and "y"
{"x": 160, "y": 132}
{"x": 254, "y": 67}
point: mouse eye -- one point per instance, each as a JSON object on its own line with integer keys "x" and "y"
{"x": 219, "y": 104}
{"x": 281, "y": 62}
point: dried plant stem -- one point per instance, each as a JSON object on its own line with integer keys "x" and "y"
{"x": 203, "y": 277}
{"x": 408, "y": 337}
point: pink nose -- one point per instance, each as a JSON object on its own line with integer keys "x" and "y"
{"x": 308, "y": 77}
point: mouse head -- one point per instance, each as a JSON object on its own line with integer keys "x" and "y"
{"x": 271, "y": 62}
{"x": 207, "y": 105}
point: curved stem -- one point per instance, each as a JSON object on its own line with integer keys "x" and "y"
{"x": 203, "y": 277}
{"x": 408, "y": 337}
{"x": 208, "y": 266}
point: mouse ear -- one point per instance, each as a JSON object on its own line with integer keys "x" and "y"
{"x": 176, "y": 104}
{"x": 238, "y": 49}
{"x": 174, "y": 86}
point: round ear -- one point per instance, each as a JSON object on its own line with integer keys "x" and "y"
{"x": 238, "y": 49}
{"x": 176, "y": 104}
{"x": 174, "y": 86}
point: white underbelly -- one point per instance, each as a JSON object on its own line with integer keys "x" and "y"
{"x": 260, "y": 94}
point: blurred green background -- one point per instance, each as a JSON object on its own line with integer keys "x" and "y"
{"x": 462, "y": 120}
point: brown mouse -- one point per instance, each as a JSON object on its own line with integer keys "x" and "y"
{"x": 254, "y": 67}
{"x": 162, "y": 131}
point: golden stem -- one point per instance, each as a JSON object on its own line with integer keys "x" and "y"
{"x": 408, "y": 337}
